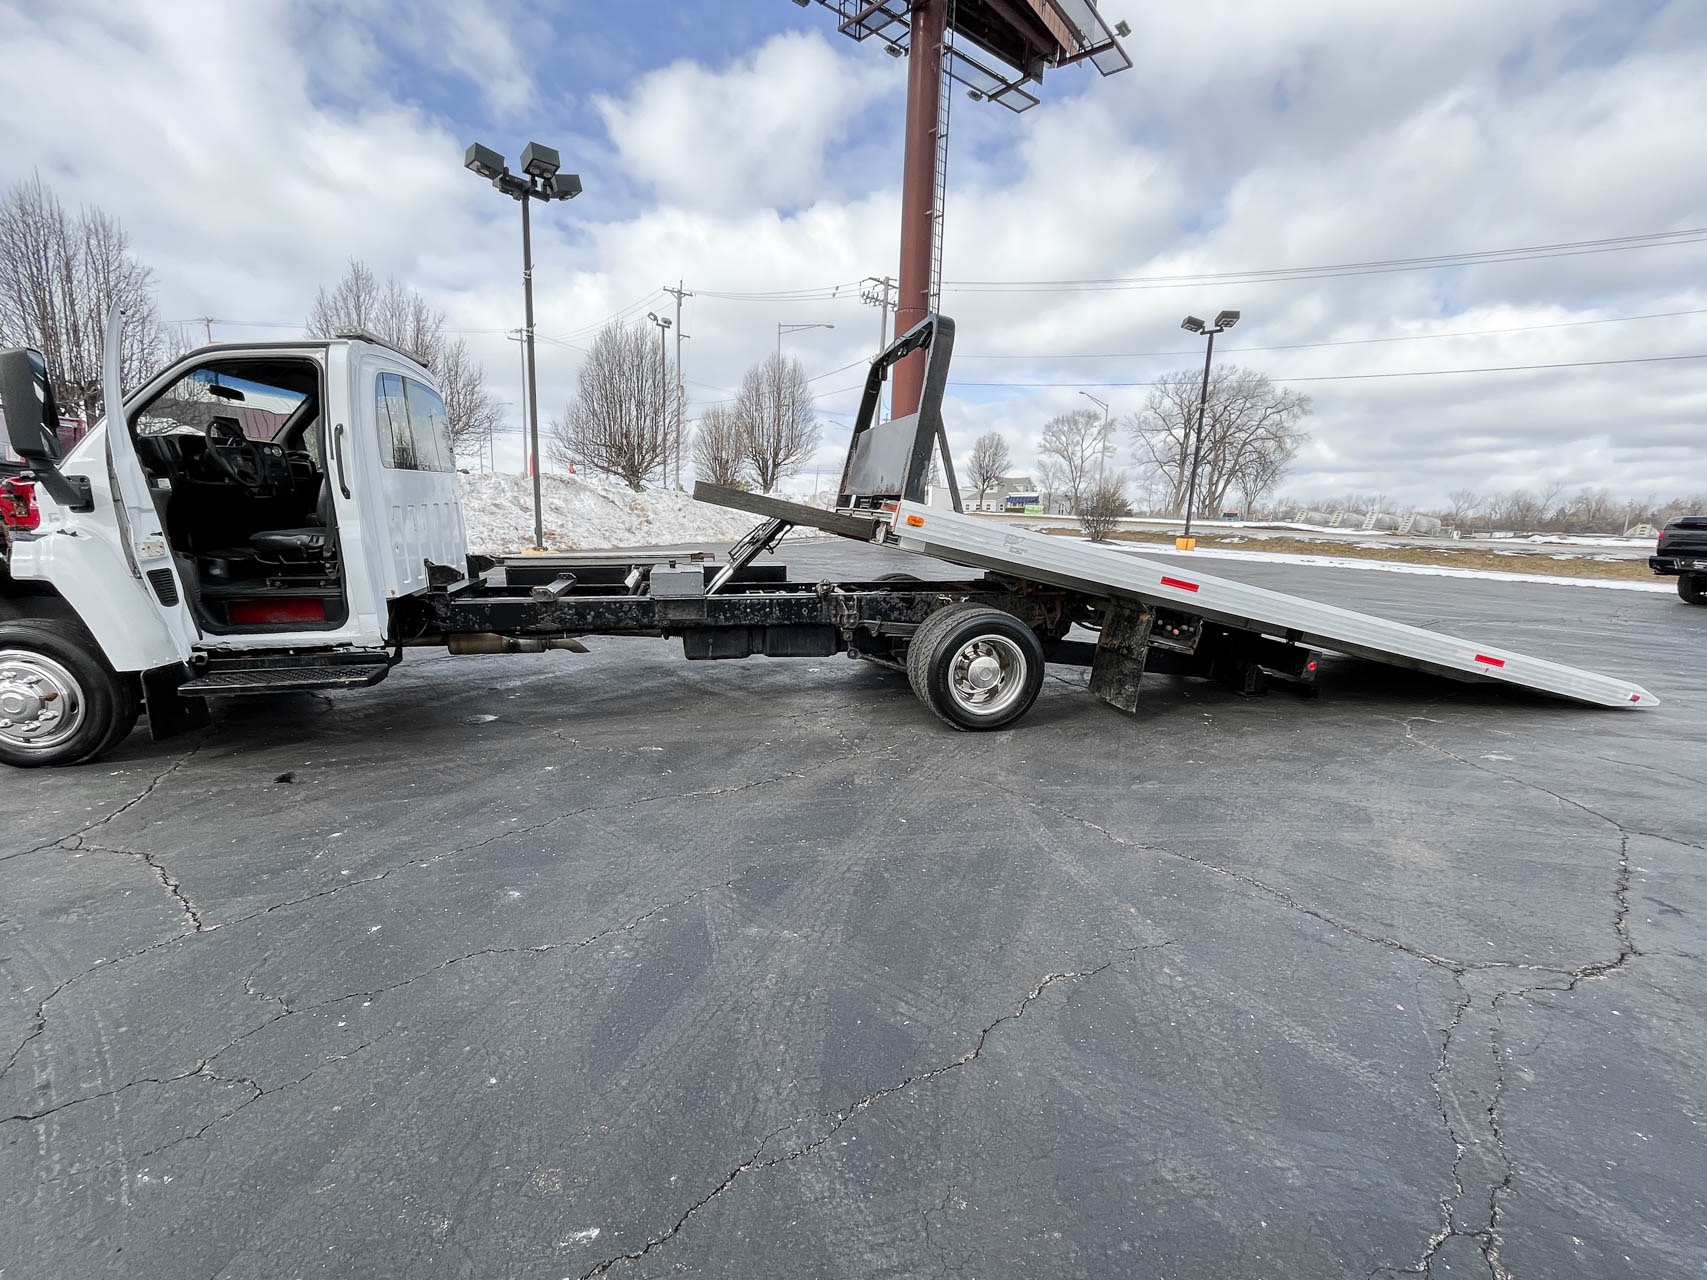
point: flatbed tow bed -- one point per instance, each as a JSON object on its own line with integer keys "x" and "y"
{"x": 1147, "y": 616}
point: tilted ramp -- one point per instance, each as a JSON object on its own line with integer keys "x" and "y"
{"x": 881, "y": 500}
{"x": 1097, "y": 571}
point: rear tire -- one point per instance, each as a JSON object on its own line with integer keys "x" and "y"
{"x": 60, "y": 701}
{"x": 977, "y": 668}
{"x": 1692, "y": 588}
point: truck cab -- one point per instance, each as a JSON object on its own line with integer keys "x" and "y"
{"x": 265, "y": 500}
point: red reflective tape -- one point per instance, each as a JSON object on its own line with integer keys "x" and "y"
{"x": 1180, "y": 583}
{"x": 1492, "y": 662}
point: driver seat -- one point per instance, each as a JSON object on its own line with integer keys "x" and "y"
{"x": 310, "y": 543}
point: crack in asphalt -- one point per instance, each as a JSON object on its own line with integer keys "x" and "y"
{"x": 535, "y": 827}
{"x": 202, "y": 927}
{"x": 1279, "y": 895}
{"x": 168, "y": 881}
{"x": 287, "y": 1010}
{"x": 841, "y": 1118}
{"x": 199, "y": 925}
{"x": 148, "y": 790}
{"x": 1486, "y": 1235}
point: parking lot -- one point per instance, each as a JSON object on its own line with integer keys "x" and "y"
{"x": 570, "y": 965}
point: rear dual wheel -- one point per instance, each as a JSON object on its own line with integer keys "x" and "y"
{"x": 60, "y": 702}
{"x": 977, "y": 668}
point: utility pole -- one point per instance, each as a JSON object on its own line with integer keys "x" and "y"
{"x": 663, "y": 323}
{"x": 207, "y": 326}
{"x": 681, "y": 390}
{"x": 879, "y": 292}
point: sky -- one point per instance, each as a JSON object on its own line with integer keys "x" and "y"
{"x": 252, "y": 149}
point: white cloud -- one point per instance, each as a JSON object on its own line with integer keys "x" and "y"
{"x": 757, "y": 133}
{"x": 250, "y": 150}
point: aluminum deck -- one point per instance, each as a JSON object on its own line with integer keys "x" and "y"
{"x": 1096, "y": 571}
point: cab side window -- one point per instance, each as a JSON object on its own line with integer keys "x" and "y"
{"x": 414, "y": 434}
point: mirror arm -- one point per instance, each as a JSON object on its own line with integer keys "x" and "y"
{"x": 72, "y": 492}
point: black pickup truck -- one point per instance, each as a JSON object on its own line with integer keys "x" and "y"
{"x": 1683, "y": 550}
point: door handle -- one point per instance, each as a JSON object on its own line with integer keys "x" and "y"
{"x": 338, "y": 456}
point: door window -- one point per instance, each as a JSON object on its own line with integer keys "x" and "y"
{"x": 414, "y": 434}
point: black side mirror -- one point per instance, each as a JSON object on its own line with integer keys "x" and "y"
{"x": 32, "y": 424}
{"x": 26, "y": 398}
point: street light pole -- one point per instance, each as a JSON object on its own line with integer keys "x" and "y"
{"x": 794, "y": 328}
{"x": 1102, "y": 436}
{"x": 1191, "y": 324}
{"x": 533, "y": 376}
{"x": 542, "y": 181}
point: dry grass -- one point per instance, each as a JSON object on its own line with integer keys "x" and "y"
{"x": 1529, "y": 560}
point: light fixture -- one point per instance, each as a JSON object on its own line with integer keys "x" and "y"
{"x": 1121, "y": 28}
{"x": 975, "y": 94}
{"x": 894, "y": 51}
{"x": 1191, "y": 324}
{"x": 539, "y": 161}
{"x": 564, "y": 186}
{"x": 484, "y": 161}
{"x": 1227, "y": 319}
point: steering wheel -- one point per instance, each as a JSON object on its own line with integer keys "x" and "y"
{"x": 234, "y": 453}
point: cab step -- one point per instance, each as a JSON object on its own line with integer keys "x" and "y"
{"x": 236, "y": 681}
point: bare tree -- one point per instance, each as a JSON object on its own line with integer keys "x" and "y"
{"x": 59, "y": 276}
{"x": 1074, "y": 442}
{"x": 621, "y": 418}
{"x": 1104, "y": 505}
{"x": 775, "y": 412}
{"x": 472, "y": 412}
{"x": 1250, "y": 433}
{"x": 1465, "y": 504}
{"x": 718, "y": 454}
{"x": 403, "y": 317}
{"x": 989, "y": 462}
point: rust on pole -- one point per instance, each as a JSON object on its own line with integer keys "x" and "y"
{"x": 928, "y": 23}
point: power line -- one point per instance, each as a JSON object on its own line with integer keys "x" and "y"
{"x": 1352, "y": 377}
{"x": 1345, "y": 342}
{"x": 1379, "y": 266}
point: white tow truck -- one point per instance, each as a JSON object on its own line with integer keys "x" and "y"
{"x": 270, "y": 517}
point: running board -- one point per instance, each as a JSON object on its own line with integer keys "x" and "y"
{"x": 247, "y": 680}
{"x": 1115, "y": 576}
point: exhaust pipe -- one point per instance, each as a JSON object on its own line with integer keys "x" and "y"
{"x": 492, "y": 642}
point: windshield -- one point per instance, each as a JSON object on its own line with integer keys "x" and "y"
{"x": 260, "y": 406}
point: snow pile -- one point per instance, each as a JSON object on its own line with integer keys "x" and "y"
{"x": 581, "y": 512}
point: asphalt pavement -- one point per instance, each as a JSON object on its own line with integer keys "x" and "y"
{"x": 571, "y": 965}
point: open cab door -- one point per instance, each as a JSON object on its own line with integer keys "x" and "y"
{"x": 141, "y": 530}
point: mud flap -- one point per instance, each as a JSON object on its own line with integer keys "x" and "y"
{"x": 169, "y": 712}
{"x": 1119, "y": 664}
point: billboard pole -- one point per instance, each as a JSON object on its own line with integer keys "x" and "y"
{"x": 928, "y": 24}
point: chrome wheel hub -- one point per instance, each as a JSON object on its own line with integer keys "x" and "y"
{"x": 987, "y": 675}
{"x": 41, "y": 703}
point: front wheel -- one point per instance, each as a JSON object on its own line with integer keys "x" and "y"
{"x": 1692, "y": 588}
{"x": 59, "y": 700}
{"x": 977, "y": 668}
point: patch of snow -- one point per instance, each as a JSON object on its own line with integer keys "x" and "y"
{"x": 582, "y": 512}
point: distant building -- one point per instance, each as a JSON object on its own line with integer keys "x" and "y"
{"x": 1006, "y": 493}
{"x": 1641, "y": 531}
